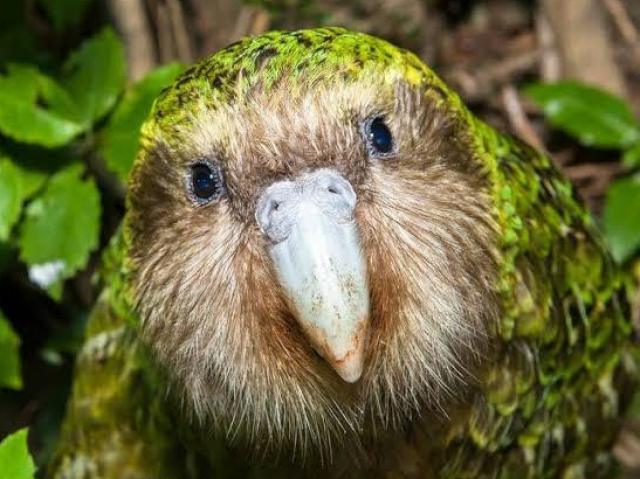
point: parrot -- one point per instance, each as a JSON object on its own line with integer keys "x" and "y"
{"x": 329, "y": 267}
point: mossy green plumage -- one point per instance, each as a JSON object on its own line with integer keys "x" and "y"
{"x": 548, "y": 405}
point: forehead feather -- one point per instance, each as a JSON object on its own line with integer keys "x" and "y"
{"x": 278, "y": 117}
{"x": 302, "y": 60}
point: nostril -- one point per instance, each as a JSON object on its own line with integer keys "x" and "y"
{"x": 269, "y": 211}
{"x": 333, "y": 188}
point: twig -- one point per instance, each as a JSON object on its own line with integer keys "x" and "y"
{"x": 627, "y": 449}
{"x": 242, "y": 22}
{"x": 603, "y": 171}
{"x": 487, "y": 80}
{"x": 584, "y": 44}
{"x": 518, "y": 118}
{"x": 132, "y": 23}
{"x": 179, "y": 30}
{"x": 550, "y": 63}
{"x": 251, "y": 21}
{"x": 261, "y": 22}
{"x": 165, "y": 41}
{"x": 214, "y": 21}
{"x": 592, "y": 178}
{"x": 624, "y": 25}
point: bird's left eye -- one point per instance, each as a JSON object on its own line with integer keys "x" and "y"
{"x": 378, "y": 137}
{"x": 205, "y": 182}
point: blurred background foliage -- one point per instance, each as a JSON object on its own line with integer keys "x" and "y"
{"x": 78, "y": 77}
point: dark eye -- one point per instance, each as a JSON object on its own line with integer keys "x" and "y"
{"x": 378, "y": 135}
{"x": 205, "y": 182}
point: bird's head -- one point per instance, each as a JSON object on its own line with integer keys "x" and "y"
{"x": 312, "y": 238}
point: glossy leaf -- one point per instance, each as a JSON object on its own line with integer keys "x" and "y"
{"x": 21, "y": 81}
{"x": 95, "y": 75}
{"x": 15, "y": 460}
{"x": 60, "y": 100}
{"x": 621, "y": 218}
{"x": 10, "y": 376}
{"x": 631, "y": 157}
{"x": 32, "y": 110}
{"x": 12, "y": 194}
{"x": 121, "y": 137}
{"x": 595, "y": 117}
{"x": 60, "y": 229}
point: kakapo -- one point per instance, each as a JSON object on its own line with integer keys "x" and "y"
{"x": 329, "y": 267}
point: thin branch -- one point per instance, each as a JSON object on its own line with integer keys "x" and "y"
{"x": 625, "y": 26}
{"x": 550, "y": 62}
{"x": 165, "y": 40}
{"x": 179, "y": 29}
{"x": 518, "y": 118}
{"x": 483, "y": 82}
{"x": 132, "y": 23}
{"x": 584, "y": 44}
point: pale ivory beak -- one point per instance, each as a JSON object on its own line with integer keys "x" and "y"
{"x": 316, "y": 252}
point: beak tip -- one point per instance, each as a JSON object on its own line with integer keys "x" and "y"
{"x": 349, "y": 374}
{"x": 350, "y": 366}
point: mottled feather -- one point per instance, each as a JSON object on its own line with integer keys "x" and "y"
{"x": 502, "y": 343}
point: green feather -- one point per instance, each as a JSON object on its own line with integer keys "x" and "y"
{"x": 549, "y": 404}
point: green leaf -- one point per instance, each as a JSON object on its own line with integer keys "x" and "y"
{"x": 595, "y": 117}
{"x": 621, "y": 218}
{"x": 21, "y": 81}
{"x": 631, "y": 157}
{"x": 121, "y": 136}
{"x": 10, "y": 376}
{"x": 18, "y": 183}
{"x": 36, "y": 164}
{"x": 31, "y": 179}
{"x": 32, "y": 109}
{"x": 95, "y": 75}
{"x": 15, "y": 460}
{"x": 59, "y": 100}
{"x": 60, "y": 229}
{"x": 12, "y": 194}
{"x": 36, "y": 109}
{"x": 65, "y": 13}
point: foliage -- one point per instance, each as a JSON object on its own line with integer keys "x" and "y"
{"x": 59, "y": 231}
{"x": 601, "y": 120}
{"x": 9, "y": 360}
{"x": 15, "y": 461}
{"x": 35, "y": 109}
{"x": 119, "y": 146}
{"x": 66, "y": 128}
{"x": 621, "y": 215}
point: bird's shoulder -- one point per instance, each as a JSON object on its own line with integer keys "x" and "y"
{"x": 564, "y": 344}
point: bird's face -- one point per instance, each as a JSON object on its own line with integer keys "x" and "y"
{"x": 312, "y": 249}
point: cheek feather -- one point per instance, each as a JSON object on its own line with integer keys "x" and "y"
{"x": 431, "y": 264}
{"x": 219, "y": 326}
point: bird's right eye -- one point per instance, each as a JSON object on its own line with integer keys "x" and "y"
{"x": 205, "y": 182}
{"x": 378, "y": 137}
